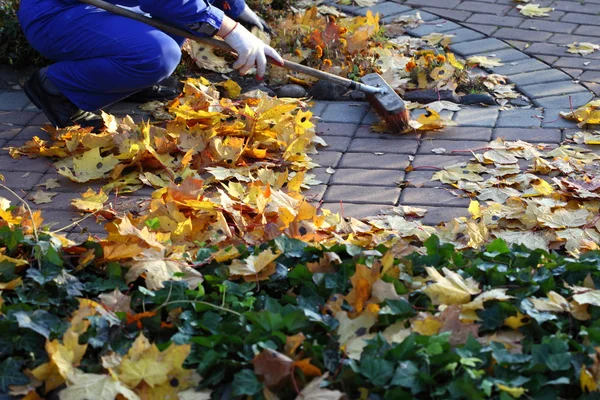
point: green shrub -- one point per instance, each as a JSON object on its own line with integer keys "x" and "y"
{"x": 14, "y": 48}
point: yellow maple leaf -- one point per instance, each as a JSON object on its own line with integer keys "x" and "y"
{"x": 95, "y": 386}
{"x": 253, "y": 264}
{"x": 515, "y": 392}
{"x": 89, "y": 166}
{"x": 90, "y": 201}
{"x": 451, "y": 288}
{"x": 233, "y": 89}
{"x": 534, "y": 10}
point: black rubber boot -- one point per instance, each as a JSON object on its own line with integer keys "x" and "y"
{"x": 59, "y": 110}
{"x": 166, "y": 90}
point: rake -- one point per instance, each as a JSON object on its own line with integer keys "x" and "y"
{"x": 385, "y": 101}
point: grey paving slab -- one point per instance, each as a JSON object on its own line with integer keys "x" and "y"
{"x": 548, "y": 26}
{"x": 327, "y": 158}
{"x": 315, "y": 193}
{"x": 336, "y": 143}
{"x": 389, "y": 145}
{"x": 39, "y": 120}
{"x": 318, "y": 108}
{"x": 478, "y": 46}
{"x": 385, "y": 9}
{"x": 427, "y": 162}
{"x": 365, "y": 131}
{"x": 486, "y": 8}
{"x": 9, "y": 132}
{"x": 520, "y": 66}
{"x": 544, "y": 76}
{"x": 590, "y": 76}
{"x": 450, "y": 146}
{"x": 13, "y": 101}
{"x": 453, "y": 15}
{"x": 552, "y": 119}
{"x": 362, "y": 194}
{"x": 485, "y": 29}
{"x": 25, "y": 164}
{"x": 370, "y": 160}
{"x": 495, "y": 20}
{"x": 367, "y": 177}
{"x": 60, "y": 202}
{"x": 587, "y": 30}
{"x": 19, "y": 118}
{"x": 21, "y": 180}
{"x": 438, "y": 215}
{"x": 579, "y": 63}
{"x": 67, "y": 185}
{"x": 425, "y": 16}
{"x": 437, "y": 26}
{"x": 345, "y": 112}
{"x": 518, "y": 34}
{"x": 485, "y": 118}
{"x": 551, "y": 49}
{"x": 322, "y": 175}
{"x": 354, "y": 210}
{"x": 418, "y": 179}
{"x": 576, "y": 99}
{"x": 336, "y": 129}
{"x": 465, "y": 35}
{"x": 526, "y": 118}
{"x": 551, "y": 89}
{"x": 586, "y": 19}
{"x": 506, "y": 55}
{"x": 29, "y": 132}
{"x": 529, "y": 135}
{"x": 63, "y": 218}
{"x": 460, "y": 133}
{"x": 433, "y": 197}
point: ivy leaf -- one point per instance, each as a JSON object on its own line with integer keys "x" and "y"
{"x": 40, "y": 321}
{"x": 245, "y": 383}
{"x": 378, "y": 371}
{"x": 10, "y": 374}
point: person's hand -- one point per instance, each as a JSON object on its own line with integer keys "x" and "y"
{"x": 251, "y": 51}
{"x": 250, "y": 17}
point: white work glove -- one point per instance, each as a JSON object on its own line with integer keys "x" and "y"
{"x": 251, "y": 51}
{"x": 250, "y": 17}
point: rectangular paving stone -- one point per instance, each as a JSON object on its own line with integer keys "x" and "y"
{"x": 578, "y": 63}
{"x": 460, "y": 133}
{"x": 516, "y": 34}
{"x": 365, "y": 131}
{"x": 495, "y": 20}
{"x": 465, "y": 35}
{"x": 483, "y": 117}
{"x": 318, "y": 108}
{"x": 551, "y": 49}
{"x": 68, "y": 186}
{"x": 478, "y": 46}
{"x": 385, "y": 9}
{"x": 82, "y": 237}
{"x": 564, "y": 39}
{"x": 426, "y": 162}
{"x": 367, "y": 177}
{"x": 432, "y": 197}
{"x": 376, "y": 145}
{"x": 315, "y": 193}
{"x": 9, "y": 132}
{"x": 425, "y": 16}
{"x": 450, "y": 145}
{"x": 40, "y": 119}
{"x": 590, "y": 76}
{"x": 61, "y": 218}
{"x": 576, "y": 99}
{"x": 25, "y": 164}
{"x": 362, "y": 194}
{"x": 345, "y": 112}
{"x": 548, "y": 26}
{"x": 433, "y": 3}
{"x": 520, "y": 66}
{"x": 16, "y": 117}
{"x": 370, "y": 160}
{"x": 586, "y": 19}
{"x": 370, "y": 118}
{"x": 552, "y": 119}
{"x": 21, "y": 180}
{"x": 551, "y": 89}
{"x": 453, "y": 15}
{"x": 321, "y": 175}
{"x": 485, "y": 29}
{"x": 353, "y": 210}
{"x": 577, "y": 7}
{"x": 518, "y": 44}
{"x": 419, "y": 179}
{"x": 29, "y": 132}
{"x": 587, "y": 30}
{"x": 335, "y": 143}
{"x": 530, "y": 78}
{"x": 336, "y": 129}
{"x": 529, "y": 135}
{"x": 485, "y": 8}
{"x": 519, "y": 118}
{"x": 437, "y": 26}
{"x": 438, "y": 215}
{"x": 506, "y": 55}
{"x": 327, "y": 158}
{"x": 13, "y": 101}
{"x": 547, "y": 59}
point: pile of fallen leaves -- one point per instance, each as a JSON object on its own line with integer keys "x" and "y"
{"x": 230, "y": 282}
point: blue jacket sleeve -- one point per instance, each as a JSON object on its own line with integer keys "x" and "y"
{"x": 199, "y": 17}
{"x": 232, "y": 8}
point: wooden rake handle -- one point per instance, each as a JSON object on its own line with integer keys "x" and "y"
{"x": 219, "y": 44}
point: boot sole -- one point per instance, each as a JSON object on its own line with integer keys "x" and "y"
{"x": 30, "y": 93}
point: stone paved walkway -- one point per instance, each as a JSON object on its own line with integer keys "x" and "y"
{"x": 370, "y": 168}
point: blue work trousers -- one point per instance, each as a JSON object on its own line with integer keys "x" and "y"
{"x": 101, "y": 58}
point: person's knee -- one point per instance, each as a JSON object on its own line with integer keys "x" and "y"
{"x": 163, "y": 59}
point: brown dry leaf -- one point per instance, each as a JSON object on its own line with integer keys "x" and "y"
{"x": 50, "y": 183}
{"x": 41, "y": 197}
{"x": 314, "y": 391}
{"x": 274, "y": 368}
